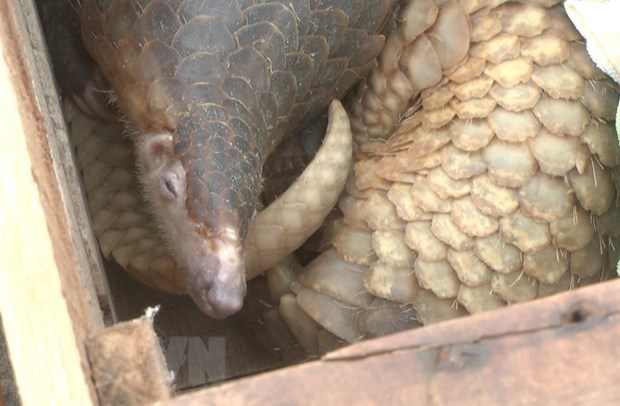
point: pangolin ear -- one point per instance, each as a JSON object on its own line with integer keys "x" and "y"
{"x": 156, "y": 152}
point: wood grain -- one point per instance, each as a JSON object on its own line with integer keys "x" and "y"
{"x": 127, "y": 364}
{"x": 47, "y": 297}
{"x": 57, "y": 148}
{"x": 559, "y": 350}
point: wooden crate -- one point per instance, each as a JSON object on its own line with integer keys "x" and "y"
{"x": 54, "y": 300}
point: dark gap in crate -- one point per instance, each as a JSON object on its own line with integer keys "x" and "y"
{"x": 8, "y": 389}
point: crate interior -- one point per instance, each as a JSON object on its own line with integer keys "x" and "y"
{"x": 249, "y": 348}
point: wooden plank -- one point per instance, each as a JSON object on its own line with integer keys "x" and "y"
{"x": 128, "y": 365}
{"x": 559, "y": 350}
{"x": 46, "y": 98}
{"x": 44, "y": 284}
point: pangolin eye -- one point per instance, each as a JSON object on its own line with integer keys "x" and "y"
{"x": 168, "y": 189}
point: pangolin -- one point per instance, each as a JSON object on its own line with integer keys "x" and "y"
{"x": 464, "y": 96}
{"x": 485, "y": 174}
{"x": 209, "y": 89}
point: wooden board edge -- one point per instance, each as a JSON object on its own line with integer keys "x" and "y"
{"x": 558, "y": 350}
{"x": 45, "y": 308}
{"x": 128, "y": 365}
{"x": 48, "y": 101}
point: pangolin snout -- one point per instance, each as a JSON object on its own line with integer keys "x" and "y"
{"x": 217, "y": 281}
{"x": 215, "y": 298}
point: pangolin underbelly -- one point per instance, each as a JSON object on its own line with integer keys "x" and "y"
{"x": 495, "y": 187}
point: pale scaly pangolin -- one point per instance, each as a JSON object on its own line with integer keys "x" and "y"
{"x": 496, "y": 187}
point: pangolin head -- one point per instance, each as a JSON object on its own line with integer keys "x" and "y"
{"x": 204, "y": 189}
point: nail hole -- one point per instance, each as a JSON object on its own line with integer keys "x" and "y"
{"x": 580, "y": 312}
{"x": 579, "y": 315}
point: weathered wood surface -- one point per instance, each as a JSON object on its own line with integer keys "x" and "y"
{"x": 47, "y": 297}
{"x": 559, "y": 350}
{"x": 55, "y": 143}
{"x": 127, "y": 364}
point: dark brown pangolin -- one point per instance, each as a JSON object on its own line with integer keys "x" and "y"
{"x": 210, "y": 88}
